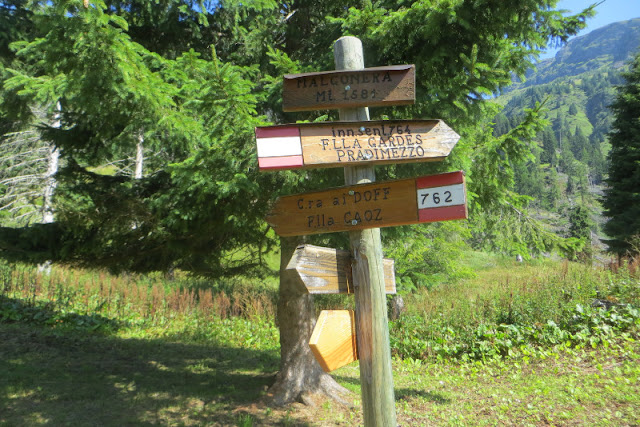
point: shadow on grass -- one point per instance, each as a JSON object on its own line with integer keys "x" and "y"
{"x": 76, "y": 377}
{"x": 406, "y": 393}
{"x": 14, "y": 310}
{"x": 403, "y": 393}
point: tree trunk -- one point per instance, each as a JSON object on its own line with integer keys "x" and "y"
{"x": 300, "y": 378}
{"x": 137, "y": 174}
{"x": 52, "y": 168}
{"x": 53, "y": 159}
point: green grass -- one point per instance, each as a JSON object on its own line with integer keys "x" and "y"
{"x": 86, "y": 348}
{"x": 512, "y": 305}
{"x": 566, "y": 387}
{"x": 74, "y": 379}
{"x": 84, "y": 379}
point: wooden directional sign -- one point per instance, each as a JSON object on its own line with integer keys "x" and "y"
{"x": 328, "y": 271}
{"x": 381, "y": 204}
{"x": 333, "y": 341}
{"x": 370, "y": 87}
{"x": 334, "y": 144}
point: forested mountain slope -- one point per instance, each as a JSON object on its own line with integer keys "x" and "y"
{"x": 575, "y": 89}
{"x": 607, "y": 47}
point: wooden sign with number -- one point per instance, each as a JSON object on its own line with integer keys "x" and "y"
{"x": 381, "y": 204}
{"x": 370, "y": 87}
{"x": 333, "y": 341}
{"x": 333, "y": 144}
{"x": 328, "y": 271}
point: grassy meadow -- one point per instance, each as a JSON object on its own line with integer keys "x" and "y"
{"x": 537, "y": 343}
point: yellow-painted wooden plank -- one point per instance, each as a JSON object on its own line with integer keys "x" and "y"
{"x": 333, "y": 341}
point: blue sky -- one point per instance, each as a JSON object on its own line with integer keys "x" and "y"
{"x": 607, "y": 12}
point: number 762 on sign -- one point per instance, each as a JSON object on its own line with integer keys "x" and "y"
{"x": 436, "y": 197}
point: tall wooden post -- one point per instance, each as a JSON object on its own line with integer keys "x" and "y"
{"x": 372, "y": 329}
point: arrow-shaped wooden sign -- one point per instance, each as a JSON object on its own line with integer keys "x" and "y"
{"x": 338, "y": 144}
{"x": 328, "y": 271}
{"x": 381, "y": 204}
{"x": 333, "y": 341}
{"x": 377, "y": 86}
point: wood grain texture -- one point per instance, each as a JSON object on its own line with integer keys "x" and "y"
{"x": 377, "y": 142}
{"x": 372, "y": 330}
{"x": 351, "y": 208}
{"x": 328, "y": 271}
{"x": 333, "y": 341}
{"x": 377, "y": 86}
{"x": 343, "y": 144}
{"x": 372, "y": 205}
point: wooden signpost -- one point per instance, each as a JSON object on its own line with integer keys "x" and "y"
{"x": 379, "y": 86}
{"x": 333, "y": 341}
{"x": 361, "y": 207}
{"x": 381, "y": 204}
{"x": 328, "y": 271}
{"x": 333, "y": 144}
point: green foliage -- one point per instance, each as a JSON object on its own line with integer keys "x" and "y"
{"x": 576, "y": 86}
{"x": 588, "y": 326}
{"x": 622, "y": 197}
{"x": 425, "y": 259}
{"x": 580, "y": 229}
{"x": 499, "y": 216}
{"x": 187, "y": 366}
{"x": 520, "y": 321}
{"x": 203, "y": 195}
{"x": 463, "y": 51}
{"x": 509, "y": 311}
{"x": 511, "y": 231}
{"x": 573, "y": 145}
{"x": 468, "y": 49}
{"x": 493, "y": 175}
{"x": 121, "y": 69}
{"x": 12, "y": 310}
{"x": 228, "y": 314}
{"x": 82, "y": 60}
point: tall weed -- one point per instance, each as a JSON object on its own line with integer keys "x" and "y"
{"x": 137, "y": 299}
{"x": 508, "y": 309}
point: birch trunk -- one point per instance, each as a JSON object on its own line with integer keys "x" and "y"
{"x": 53, "y": 158}
{"x": 50, "y": 177}
{"x": 139, "y": 156}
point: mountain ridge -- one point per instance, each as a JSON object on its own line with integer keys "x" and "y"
{"x": 575, "y": 88}
{"x": 612, "y": 44}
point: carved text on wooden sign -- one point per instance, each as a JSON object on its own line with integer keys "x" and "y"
{"x": 381, "y": 204}
{"x": 337, "y": 144}
{"x": 377, "y": 86}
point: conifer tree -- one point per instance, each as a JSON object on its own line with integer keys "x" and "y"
{"x": 187, "y": 106}
{"x": 580, "y": 230}
{"x": 549, "y": 144}
{"x": 579, "y": 144}
{"x": 201, "y": 195}
{"x": 622, "y": 197}
{"x": 573, "y": 110}
{"x": 553, "y": 191}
